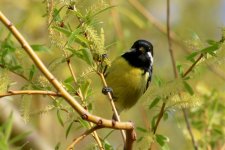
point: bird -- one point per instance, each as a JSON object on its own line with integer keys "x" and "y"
{"x": 129, "y": 75}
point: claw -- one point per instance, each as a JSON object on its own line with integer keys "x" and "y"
{"x": 106, "y": 90}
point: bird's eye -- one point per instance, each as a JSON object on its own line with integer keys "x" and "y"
{"x": 142, "y": 49}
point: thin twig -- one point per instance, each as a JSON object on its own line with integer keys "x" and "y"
{"x": 192, "y": 66}
{"x": 95, "y": 135}
{"x": 16, "y": 73}
{"x": 176, "y": 74}
{"x": 169, "y": 39}
{"x": 189, "y": 128}
{"x": 30, "y": 92}
{"x": 112, "y": 104}
{"x": 105, "y": 85}
{"x": 86, "y": 133}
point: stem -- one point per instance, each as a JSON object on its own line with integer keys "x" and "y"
{"x": 30, "y": 92}
{"x": 112, "y": 104}
{"x": 86, "y": 133}
{"x": 169, "y": 40}
{"x": 176, "y": 76}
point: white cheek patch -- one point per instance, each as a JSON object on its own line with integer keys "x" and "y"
{"x": 150, "y": 56}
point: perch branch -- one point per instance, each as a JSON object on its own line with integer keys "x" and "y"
{"x": 112, "y": 104}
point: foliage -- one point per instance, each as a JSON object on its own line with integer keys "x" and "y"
{"x": 5, "y": 134}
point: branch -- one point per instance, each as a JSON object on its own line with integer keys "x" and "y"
{"x": 20, "y": 75}
{"x": 112, "y": 104}
{"x": 30, "y": 92}
{"x": 176, "y": 76}
{"x": 86, "y": 133}
{"x": 69, "y": 98}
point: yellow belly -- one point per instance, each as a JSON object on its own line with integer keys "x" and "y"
{"x": 128, "y": 83}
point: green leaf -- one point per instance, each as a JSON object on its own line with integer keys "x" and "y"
{"x": 192, "y": 56}
{"x": 100, "y": 11}
{"x": 211, "y": 42}
{"x": 141, "y": 129}
{"x": 60, "y": 118}
{"x": 140, "y": 139}
{"x": 32, "y": 71}
{"x": 87, "y": 56}
{"x": 73, "y": 36}
{"x": 69, "y": 80}
{"x": 153, "y": 121}
{"x": 8, "y": 127}
{"x": 180, "y": 69}
{"x": 107, "y": 145}
{"x": 83, "y": 123}
{"x": 62, "y": 30}
{"x": 68, "y": 129}
{"x": 85, "y": 86}
{"x": 57, "y": 146}
{"x": 37, "y": 47}
{"x": 19, "y": 137}
{"x": 188, "y": 88}
{"x": 161, "y": 139}
{"x": 80, "y": 39}
{"x": 56, "y": 15}
{"x": 154, "y": 102}
{"x": 210, "y": 48}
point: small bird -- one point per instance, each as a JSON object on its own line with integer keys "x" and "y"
{"x": 130, "y": 74}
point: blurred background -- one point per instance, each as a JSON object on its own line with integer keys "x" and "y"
{"x": 193, "y": 22}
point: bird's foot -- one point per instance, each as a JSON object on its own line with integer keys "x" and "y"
{"x": 107, "y": 90}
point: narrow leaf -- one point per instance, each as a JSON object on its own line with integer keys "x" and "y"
{"x": 154, "y": 102}
{"x": 19, "y": 137}
{"x": 37, "y": 47}
{"x": 161, "y": 139}
{"x": 141, "y": 129}
{"x": 68, "y": 129}
{"x": 60, "y": 118}
{"x": 188, "y": 88}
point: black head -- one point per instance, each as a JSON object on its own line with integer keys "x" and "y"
{"x": 143, "y": 46}
{"x": 140, "y": 55}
